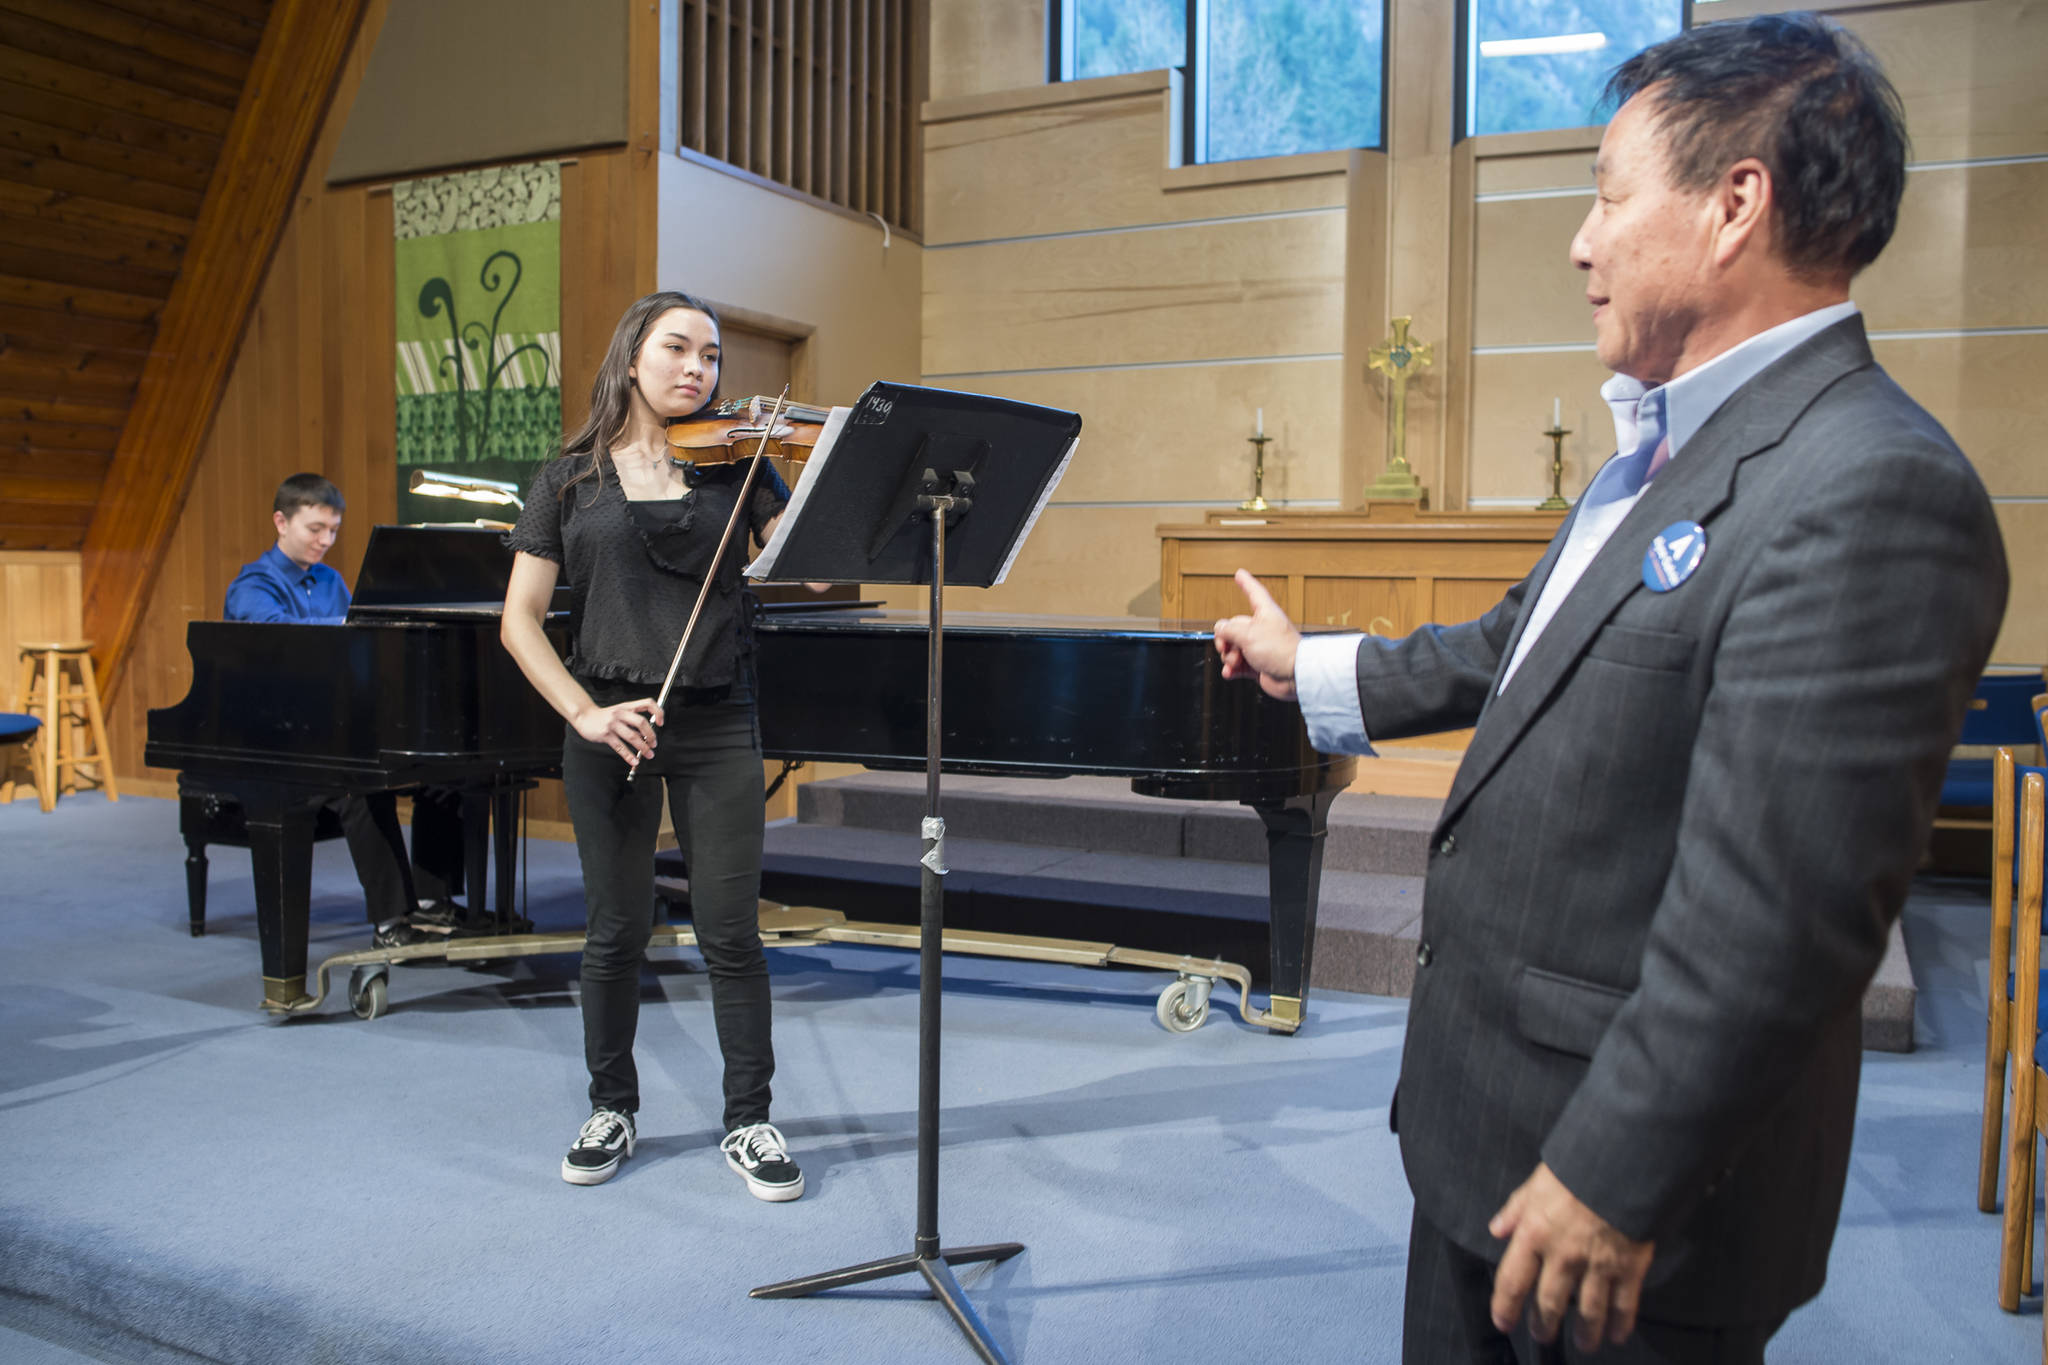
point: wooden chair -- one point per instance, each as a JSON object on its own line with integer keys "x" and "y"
{"x": 2030, "y": 1083}
{"x": 1998, "y": 1023}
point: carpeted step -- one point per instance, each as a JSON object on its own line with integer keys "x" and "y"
{"x": 1382, "y": 834}
{"x": 1085, "y": 857}
{"x": 1366, "y": 929}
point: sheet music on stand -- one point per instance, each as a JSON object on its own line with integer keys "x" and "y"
{"x": 901, "y": 422}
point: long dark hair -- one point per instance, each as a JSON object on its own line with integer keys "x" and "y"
{"x": 611, "y": 393}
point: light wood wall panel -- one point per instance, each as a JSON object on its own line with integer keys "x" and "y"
{"x": 1989, "y": 392}
{"x": 1079, "y": 165}
{"x": 978, "y": 46}
{"x": 1525, "y": 289}
{"x": 1510, "y": 457}
{"x": 1178, "y": 433}
{"x": 1971, "y": 250}
{"x": 1970, "y": 254}
{"x": 1570, "y": 168}
{"x": 1254, "y": 287}
{"x": 39, "y": 600}
{"x": 1079, "y": 561}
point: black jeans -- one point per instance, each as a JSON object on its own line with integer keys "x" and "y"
{"x": 391, "y": 878}
{"x": 1447, "y": 1320}
{"x": 709, "y": 760}
{"x": 376, "y": 844}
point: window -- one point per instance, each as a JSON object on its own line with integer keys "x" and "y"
{"x": 1264, "y": 77}
{"x": 1535, "y": 64}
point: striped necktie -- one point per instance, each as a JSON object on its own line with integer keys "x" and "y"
{"x": 1652, "y": 453}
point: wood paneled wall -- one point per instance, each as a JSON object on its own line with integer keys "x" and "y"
{"x": 39, "y": 600}
{"x": 1957, "y": 306}
{"x": 1066, "y": 263}
{"x": 312, "y": 385}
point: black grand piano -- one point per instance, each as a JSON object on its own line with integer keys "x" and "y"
{"x": 419, "y": 691}
{"x": 412, "y": 690}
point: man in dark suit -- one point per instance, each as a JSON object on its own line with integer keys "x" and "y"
{"x": 1711, "y": 727}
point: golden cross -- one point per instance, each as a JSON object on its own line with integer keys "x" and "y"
{"x": 1398, "y": 358}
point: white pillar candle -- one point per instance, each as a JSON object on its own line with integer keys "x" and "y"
{"x": 1262, "y": 422}
{"x": 1556, "y": 413}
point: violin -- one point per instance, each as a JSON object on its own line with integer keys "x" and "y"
{"x": 739, "y": 429}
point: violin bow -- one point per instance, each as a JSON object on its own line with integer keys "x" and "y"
{"x": 711, "y": 574}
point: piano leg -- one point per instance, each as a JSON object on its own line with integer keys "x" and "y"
{"x": 192, "y": 824}
{"x": 476, "y": 851}
{"x": 1295, "y": 829}
{"x": 504, "y": 852}
{"x": 281, "y": 855}
{"x": 195, "y": 883}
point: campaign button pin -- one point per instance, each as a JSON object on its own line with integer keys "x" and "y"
{"x": 1673, "y": 555}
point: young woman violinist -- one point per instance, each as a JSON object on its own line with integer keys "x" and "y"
{"x": 636, "y": 533}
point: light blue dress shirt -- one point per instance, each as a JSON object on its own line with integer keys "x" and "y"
{"x": 1326, "y": 666}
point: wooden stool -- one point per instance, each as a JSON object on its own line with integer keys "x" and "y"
{"x": 64, "y": 707}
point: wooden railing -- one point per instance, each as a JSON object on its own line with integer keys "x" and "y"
{"x": 817, "y": 95}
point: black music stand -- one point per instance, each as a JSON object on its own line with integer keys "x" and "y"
{"x": 980, "y": 469}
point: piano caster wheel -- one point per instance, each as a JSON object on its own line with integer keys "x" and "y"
{"x": 368, "y": 992}
{"x": 1184, "y": 1004}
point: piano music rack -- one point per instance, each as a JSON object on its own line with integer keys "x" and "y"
{"x": 1181, "y": 1007}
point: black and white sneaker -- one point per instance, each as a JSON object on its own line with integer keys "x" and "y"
{"x": 394, "y": 933}
{"x": 760, "y": 1155}
{"x": 605, "y": 1140}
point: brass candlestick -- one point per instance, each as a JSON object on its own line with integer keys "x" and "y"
{"x": 1555, "y": 502}
{"x": 1257, "y": 501}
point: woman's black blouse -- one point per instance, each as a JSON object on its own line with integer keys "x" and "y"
{"x": 636, "y": 569}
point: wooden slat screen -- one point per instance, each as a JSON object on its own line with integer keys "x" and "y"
{"x": 813, "y": 94}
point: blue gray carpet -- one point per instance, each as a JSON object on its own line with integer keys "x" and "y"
{"x": 191, "y": 1181}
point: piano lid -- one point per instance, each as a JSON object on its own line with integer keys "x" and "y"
{"x": 434, "y": 572}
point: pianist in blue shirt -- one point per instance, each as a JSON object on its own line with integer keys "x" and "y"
{"x": 290, "y": 583}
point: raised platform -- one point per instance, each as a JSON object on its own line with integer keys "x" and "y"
{"x": 1085, "y": 857}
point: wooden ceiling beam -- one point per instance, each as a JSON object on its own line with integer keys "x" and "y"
{"x": 24, "y": 408}
{"x": 85, "y": 302}
{"x": 39, "y": 138}
{"x": 20, "y": 384}
{"x": 44, "y": 264}
{"x": 28, "y": 34}
{"x": 151, "y": 39}
{"x": 95, "y": 242}
{"x": 52, "y": 174}
{"x": 96, "y": 87}
{"x": 262, "y": 162}
{"x": 112, "y": 125}
{"x": 207, "y": 21}
{"x": 35, "y": 201}
{"x": 69, "y": 329}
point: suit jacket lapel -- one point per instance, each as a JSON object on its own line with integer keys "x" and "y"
{"x": 1695, "y": 486}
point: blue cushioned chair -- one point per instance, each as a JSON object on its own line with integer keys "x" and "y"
{"x": 2001, "y": 712}
{"x": 2001, "y": 1032}
{"x": 2030, "y": 1084}
{"x": 17, "y": 729}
